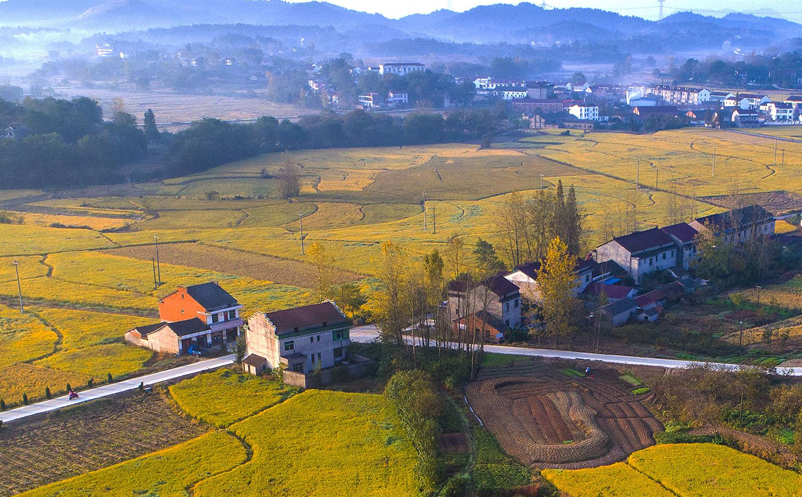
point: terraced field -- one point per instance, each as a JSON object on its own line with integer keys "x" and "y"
{"x": 546, "y": 418}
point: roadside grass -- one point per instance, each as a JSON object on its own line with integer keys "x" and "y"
{"x": 168, "y": 472}
{"x": 490, "y": 360}
{"x": 320, "y": 443}
{"x": 226, "y": 396}
{"x": 32, "y": 380}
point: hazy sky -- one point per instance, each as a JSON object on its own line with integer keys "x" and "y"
{"x": 647, "y": 9}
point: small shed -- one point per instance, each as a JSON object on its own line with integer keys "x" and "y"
{"x": 254, "y": 364}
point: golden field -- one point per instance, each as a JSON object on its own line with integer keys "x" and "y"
{"x": 685, "y": 470}
{"x": 320, "y": 443}
{"x": 166, "y": 473}
{"x": 227, "y": 396}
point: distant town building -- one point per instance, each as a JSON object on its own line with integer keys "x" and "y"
{"x": 395, "y": 97}
{"x": 370, "y": 101}
{"x": 781, "y": 111}
{"x": 537, "y": 105}
{"x": 657, "y": 110}
{"x": 400, "y": 68}
{"x": 539, "y": 89}
{"x": 104, "y": 51}
{"x": 738, "y": 225}
{"x": 584, "y": 112}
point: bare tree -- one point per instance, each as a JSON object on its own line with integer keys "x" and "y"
{"x": 289, "y": 182}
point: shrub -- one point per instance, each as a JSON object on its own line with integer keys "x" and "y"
{"x": 69, "y": 388}
{"x": 2, "y": 405}
{"x": 110, "y": 378}
{"x": 141, "y": 386}
{"x": 25, "y": 399}
{"x": 47, "y": 393}
{"x": 90, "y": 382}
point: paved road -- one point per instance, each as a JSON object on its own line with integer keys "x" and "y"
{"x": 366, "y": 334}
{"x": 115, "y": 388}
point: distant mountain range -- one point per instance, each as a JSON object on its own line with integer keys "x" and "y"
{"x": 515, "y": 24}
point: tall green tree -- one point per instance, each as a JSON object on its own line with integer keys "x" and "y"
{"x": 486, "y": 260}
{"x": 151, "y": 130}
{"x": 573, "y": 223}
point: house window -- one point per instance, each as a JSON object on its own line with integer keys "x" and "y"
{"x": 340, "y": 335}
{"x": 290, "y": 345}
{"x": 215, "y": 318}
{"x": 507, "y": 322}
{"x": 516, "y": 303}
{"x": 318, "y": 338}
{"x": 311, "y": 339}
{"x": 665, "y": 254}
{"x": 506, "y": 306}
{"x": 298, "y": 368}
{"x": 338, "y": 353}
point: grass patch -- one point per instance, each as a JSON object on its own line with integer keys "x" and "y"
{"x": 639, "y": 391}
{"x": 96, "y": 362}
{"x": 494, "y": 470}
{"x": 631, "y": 379}
{"x": 573, "y": 373}
{"x": 491, "y": 360}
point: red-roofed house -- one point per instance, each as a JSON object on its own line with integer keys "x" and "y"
{"x": 640, "y": 253}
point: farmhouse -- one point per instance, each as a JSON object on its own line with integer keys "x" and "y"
{"x": 613, "y": 293}
{"x": 657, "y": 110}
{"x": 620, "y": 312}
{"x": 478, "y": 321}
{"x": 640, "y": 253}
{"x": 301, "y": 339}
{"x": 497, "y": 295}
{"x": 193, "y": 318}
{"x": 780, "y": 111}
{"x": 395, "y": 97}
{"x": 738, "y": 225}
{"x": 171, "y": 338}
{"x": 743, "y": 118}
{"x": 370, "y": 101}
{"x": 684, "y": 236}
{"x": 539, "y": 89}
{"x": 524, "y": 277}
{"x": 795, "y": 100}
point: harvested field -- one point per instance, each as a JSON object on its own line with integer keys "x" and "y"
{"x": 256, "y": 266}
{"x": 548, "y": 419}
{"x": 88, "y": 437}
{"x": 777, "y": 202}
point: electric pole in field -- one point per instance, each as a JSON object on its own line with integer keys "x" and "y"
{"x": 301, "y": 226}
{"x": 153, "y": 263}
{"x": 637, "y": 176}
{"x": 714, "y": 162}
{"x": 158, "y": 264}
{"x": 782, "y": 163}
{"x": 656, "y": 178}
{"x": 425, "y": 228}
{"x": 775, "y": 151}
{"x": 541, "y": 181}
{"x": 19, "y": 287}
{"x": 434, "y": 219}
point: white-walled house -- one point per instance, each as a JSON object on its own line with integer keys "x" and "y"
{"x": 780, "y": 111}
{"x": 395, "y": 97}
{"x": 400, "y": 68}
{"x": 684, "y": 236}
{"x": 502, "y": 299}
{"x": 640, "y": 253}
{"x": 301, "y": 339}
{"x": 584, "y": 112}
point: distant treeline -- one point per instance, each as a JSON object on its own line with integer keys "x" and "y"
{"x": 211, "y": 142}
{"x": 783, "y": 70}
{"x": 61, "y": 143}
{"x": 67, "y": 143}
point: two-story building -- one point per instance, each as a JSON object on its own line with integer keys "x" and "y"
{"x": 499, "y": 297}
{"x": 738, "y": 225}
{"x": 193, "y": 318}
{"x": 780, "y": 111}
{"x": 640, "y": 253}
{"x": 301, "y": 339}
{"x": 684, "y": 236}
{"x": 397, "y": 97}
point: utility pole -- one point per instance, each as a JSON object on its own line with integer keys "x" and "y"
{"x": 19, "y": 287}
{"x": 656, "y": 178}
{"x": 158, "y": 264}
{"x": 714, "y": 161}
{"x": 434, "y": 219}
{"x": 637, "y": 176}
{"x": 425, "y": 228}
{"x": 775, "y": 151}
{"x": 783, "y": 157}
{"x": 301, "y": 226}
{"x": 153, "y": 262}
{"x": 541, "y": 181}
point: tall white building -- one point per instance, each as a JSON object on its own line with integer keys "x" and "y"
{"x": 400, "y": 68}
{"x": 584, "y": 112}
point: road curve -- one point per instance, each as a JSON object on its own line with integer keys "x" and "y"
{"x": 365, "y": 334}
{"x": 114, "y": 388}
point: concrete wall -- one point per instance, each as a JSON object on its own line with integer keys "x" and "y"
{"x": 163, "y": 341}
{"x": 327, "y": 376}
{"x": 261, "y": 340}
{"x": 180, "y": 306}
{"x": 637, "y": 267}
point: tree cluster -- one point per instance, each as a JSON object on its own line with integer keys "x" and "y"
{"x": 526, "y": 226}
{"x": 65, "y": 143}
{"x": 766, "y": 69}
{"x": 211, "y": 142}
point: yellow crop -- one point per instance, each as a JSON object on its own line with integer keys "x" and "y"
{"x": 617, "y": 480}
{"x": 320, "y": 443}
{"x": 167, "y": 473}
{"x": 96, "y": 362}
{"x": 226, "y": 396}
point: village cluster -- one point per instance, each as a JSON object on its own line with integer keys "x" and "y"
{"x": 316, "y": 337}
